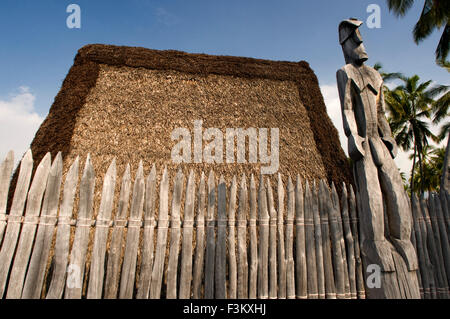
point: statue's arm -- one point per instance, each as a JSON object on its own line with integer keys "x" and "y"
{"x": 383, "y": 126}
{"x": 355, "y": 147}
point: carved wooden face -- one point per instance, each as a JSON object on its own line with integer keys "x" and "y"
{"x": 354, "y": 50}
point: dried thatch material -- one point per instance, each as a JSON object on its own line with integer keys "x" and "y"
{"x": 124, "y": 102}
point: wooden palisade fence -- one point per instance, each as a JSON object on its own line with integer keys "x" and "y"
{"x": 242, "y": 241}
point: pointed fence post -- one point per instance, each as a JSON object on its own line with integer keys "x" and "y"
{"x": 221, "y": 250}
{"x": 232, "y": 264}
{"x": 210, "y": 238}
{"x": 242, "y": 287}
{"x": 186, "y": 250}
{"x": 253, "y": 242}
{"x": 15, "y": 219}
{"x": 61, "y": 254}
{"x": 281, "y": 243}
{"x": 175, "y": 234}
{"x": 77, "y": 261}
{"x": 30, "y": 222}
{"x": 290, "y": 216}
{"x": 145, "y": 275}
{"x": 128, "y": 275}
{"x": 97, "y": 270}
{"x": 200, "y": 241}
{"x": 161, "y": 241}
{"x": 6, "y": 169}
{"x": 41, "y": 250}
{"x": 300, "y": 246}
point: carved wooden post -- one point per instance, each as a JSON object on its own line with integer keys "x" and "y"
{"x": 390, "y": 256}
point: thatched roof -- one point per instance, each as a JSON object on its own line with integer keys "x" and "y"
{"x": 124, "y": 102}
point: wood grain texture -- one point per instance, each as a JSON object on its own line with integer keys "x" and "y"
{"x": 14, "y": 219}
{"x": 232, "y": 263}
{"x": 337, "y": 209}
{"x": 128, "y": 275}
{"x": 25, "y": 244}
{"x": 42, "y": 244}
{"x": 242, "y": 273}
{"x": 199, "y": 263}
{"x": 175, "y": 236}
{"x": 263, "y": 245}
{"x": 349, "y": 243}
{"x": 161, "y": 241}
{"x": 210, "y": 238}
{"x": 330, "y": 288}
{"x": 253, "y": 242}
{"x": 76, "y": 267}
{"x": 221, "y": 242}
{"x": 360, "y": 288}
{"x": 300, "y": 245}
{"x": 186, "y": 249}
{"x": 310, "y": 245}
{"x": 97, "y": 270}
{"x": 281, "y": 252}
{"x": 273, "y": 273}
{"x": 145, "y": 275}
{"x": 61, "y": 254}
{"x": 6, "y": 168}
{"x": 336, "y": 246}
{"x": 424, "y": 270}
{"x": 290, "y": 216}
{"x": 318, "y": 242}
{"x": 117, "y": 238}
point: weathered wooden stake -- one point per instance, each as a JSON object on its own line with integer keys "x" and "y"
{"x": 38, "y": 262}
{"x": 97, "y": 270}
{"x": 281, "y": 241}
{"x": 188, "y": 228}
{"x": 318, "y": 242}
{"x": 253, "y": 272}
{"x": 174, "y": 237}
{"x": 221, "y": 243}
{"x": 117, "y": 238}
{"x": 232, "y": 265}
{"x": 290, "y": 267}
{"x": 200, "y": 241}
{"x": 60, "y": 258}
{"x": 161, "y": 242}
{"x": 128, "y": 276}
{"x": 148, "y": 240}
{"x": 301, "y": 267}
{"x": 5, "y": 179}
{"x": 242, "y": 288}
{"x": 210, "y": 238}
{"x": 76, "y": 267}
{"x": 263, "y": 251}
{"x": 330, "y": 288}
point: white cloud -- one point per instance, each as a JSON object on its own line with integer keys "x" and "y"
{"x": 331, "y": 97}
{"x": 18, "y": 123}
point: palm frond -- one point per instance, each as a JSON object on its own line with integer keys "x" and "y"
{"x": 400, "y": 7}
{"x": 443, "y": 46}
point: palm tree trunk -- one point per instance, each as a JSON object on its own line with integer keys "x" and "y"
{"x": 412, "y": 170}
{"x": 422, "y": 188}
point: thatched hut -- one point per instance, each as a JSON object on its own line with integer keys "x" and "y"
{"x": 125, "y": 102}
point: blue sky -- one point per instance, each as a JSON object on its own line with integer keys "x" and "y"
{"x": 37, "y": 48}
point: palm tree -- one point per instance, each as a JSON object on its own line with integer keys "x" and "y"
{"x": 433, "y": 163}
{"x": 441, "y": 111}
{"x": 409, "y": 105}
{"x": 435, "y": 14}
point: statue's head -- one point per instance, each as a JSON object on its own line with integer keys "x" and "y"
{"x": 351, "y": 41}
